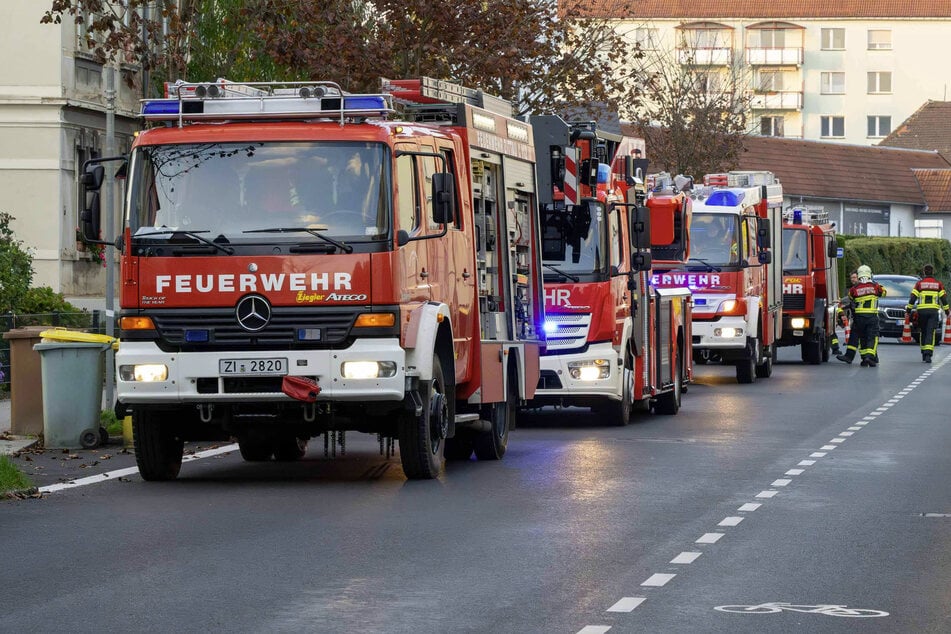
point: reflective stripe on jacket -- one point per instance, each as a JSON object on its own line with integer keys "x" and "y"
{"x": 928, "y": 293}
{"x": 865, "y": 297}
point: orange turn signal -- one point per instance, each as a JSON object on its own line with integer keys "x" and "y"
{"x": 375, "y": 320}
{"x": 136, "y": 323}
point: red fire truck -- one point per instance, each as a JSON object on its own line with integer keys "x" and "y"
{"x": 296, "y": 262}
{"x": 613, "y": 343}
{"x": 734, "y": 241}
{"x": 810, "y": 282}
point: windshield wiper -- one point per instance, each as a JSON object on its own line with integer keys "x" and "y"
{"x": 709, "y": 266}
{"x": 190, "y": 234}
{"x": 343, "y": 246}
{"x": 562, "y": 273}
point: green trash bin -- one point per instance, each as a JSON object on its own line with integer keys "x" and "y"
{"x": 72, "y": 368}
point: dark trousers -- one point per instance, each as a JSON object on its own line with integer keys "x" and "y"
{"x": 864, "y": 335}
{"x": 928, "y": 325}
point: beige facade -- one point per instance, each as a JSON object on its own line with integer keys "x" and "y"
{"x": 52, "y": 117}
{"x": 834, "y": 79}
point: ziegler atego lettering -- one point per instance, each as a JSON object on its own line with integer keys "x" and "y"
{"x": 249, "y": 282}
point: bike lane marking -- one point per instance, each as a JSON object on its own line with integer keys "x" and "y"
{"x": 660, "y": 579}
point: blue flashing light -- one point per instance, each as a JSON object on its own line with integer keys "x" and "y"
{"x": 308, "y": 334}
{"x": 604, "y": 172}
{"x": 724, "y": 198}
{"x": 364, "y": 102}
{"x": 166, "y": 107}
{"x": 797, "y": 216}
{"x": 196, "y": 336}
{"x": 550, "y": 327}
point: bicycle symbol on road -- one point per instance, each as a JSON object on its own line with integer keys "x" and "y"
{"x": 825, "y": 609}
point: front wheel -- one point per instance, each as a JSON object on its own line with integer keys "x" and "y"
{"x": 158, "y": 446}
{"x": 746, "y": 368}
{"x": 765, "y": 369}
{"x": 620, "y": 411}
{"x": 421, "y": 437}
{"x": 491, "y": 445}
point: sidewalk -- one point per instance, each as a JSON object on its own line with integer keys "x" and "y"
{"x": 10, "y": 444}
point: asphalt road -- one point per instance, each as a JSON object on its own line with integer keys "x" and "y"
{"x": 821, "y": 486}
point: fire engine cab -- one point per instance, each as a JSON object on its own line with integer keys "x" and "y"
{"x": 298, "y": 261}
{"x": 810, "y": 282}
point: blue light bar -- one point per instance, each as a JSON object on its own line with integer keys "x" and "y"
{"x": 724, "y": 198}
{"x": 196, "y": 336}
{"x": 164, "y": 106}
{"x": 364, "y": 102}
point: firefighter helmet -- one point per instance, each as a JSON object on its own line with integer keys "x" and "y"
{"x": 864, "y": 273}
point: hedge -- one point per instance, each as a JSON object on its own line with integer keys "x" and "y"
{"x": 899, "y": 256}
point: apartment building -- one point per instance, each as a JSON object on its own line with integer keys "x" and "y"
{"x": 846, "y": 71}
{"x": 53, "y": 114}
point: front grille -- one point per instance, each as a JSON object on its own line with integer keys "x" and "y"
{"x": 894, "y": 313}
{"x": 566, "y": 331}
{"x": 794, "y": 301}
{"x": 333, "y": 324}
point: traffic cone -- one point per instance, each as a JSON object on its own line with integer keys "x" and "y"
{"x": 906, "y": 330}
{"x": 947, "y": 329}
{"x": 848, "y": 330}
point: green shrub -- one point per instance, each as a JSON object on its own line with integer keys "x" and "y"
{"x": 901, "y": 256}
{"x": 16, "y": 266}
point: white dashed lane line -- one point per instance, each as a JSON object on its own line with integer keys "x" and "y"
{"x": 628, "y": 604}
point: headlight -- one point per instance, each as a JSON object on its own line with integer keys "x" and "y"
{"x": 798, "y": 322}
{"x": 728, "y": 332}
{"x": 145, "y": 373}
{"x": 590, "y": 370}
{"x": 367, "y": 369}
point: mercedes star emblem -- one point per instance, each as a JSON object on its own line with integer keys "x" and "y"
{"x": 253, "y": 312}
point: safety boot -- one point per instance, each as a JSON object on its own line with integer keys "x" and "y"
{"x": 865, "y": 362}
{"x": 926, "y": 357}
{"x": 871, "y": 361}
{"x": 847, "y": 357}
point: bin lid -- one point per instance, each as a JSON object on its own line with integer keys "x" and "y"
{"x": 62, "y": 334}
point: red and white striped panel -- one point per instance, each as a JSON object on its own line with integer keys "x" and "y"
{"x": 571, "y": 176}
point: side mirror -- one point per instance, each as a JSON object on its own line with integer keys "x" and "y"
{"x": 402, "y": 237}
{"x": 765, "y": 257}
{"x": 89, "y": 218}
{"x": 444, "y": 198}
{"x": 833, "y": 249}
{"x": 588, "y": 172}
{"x": 92, "y": 177}
{"x": 640, "y": 230}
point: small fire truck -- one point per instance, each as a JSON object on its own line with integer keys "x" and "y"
{"x": 612, "y": 343}
{"x": 734, "y": 271}
{"x": 298, "y": 261}
{"x": 810, "y": 282}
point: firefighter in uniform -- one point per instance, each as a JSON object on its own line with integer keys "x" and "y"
{"x": 843, "y": 314}
{"x": 928, "y": 295}
{"x": 864, "y": 335}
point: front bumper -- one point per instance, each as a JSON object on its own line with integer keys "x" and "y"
{"x": 556, "y": 379}
{"x": 713, "y": 334}
{"x": 194, "y": 377}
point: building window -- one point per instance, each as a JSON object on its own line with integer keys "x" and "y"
{"x": 833, "y": 83}
{"x": 832, "y": 126}
{"x": 833, "y": 39}
{"x": 879, "y": 125}
{"x": 646, "y": 38}
{"x": 879, "y": 82}
{"x": 707, "y": 82}
{"x": 770, "y": 81}
{"x": 771, "y": 126}
{"x": 768, "y": 38}
{"x": 879, "y": 40}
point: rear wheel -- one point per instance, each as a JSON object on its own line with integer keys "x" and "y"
{"x": 491, "y": 445}
{"x": 765, "y": 369}
{"x": 668, "y": 403}
{"x": 255, "y": 449}
{"x": 421, "y": 437}
{"x": 158, "y": 446}
{"x": 459, "y": 447}
{"x": 812, "y": 352}
{"x": 290, "y": 448}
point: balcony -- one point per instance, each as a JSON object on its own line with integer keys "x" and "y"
{"x": 778, "y": 100}
{"x": 774, "y": 56}
{"x": 721, "y": 56}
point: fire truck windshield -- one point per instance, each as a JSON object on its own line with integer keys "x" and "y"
{"x": 795, "y": 254}
{"x": 235, "y": 189}
{"x": 714, "y": 239}
{"x": 585, "y": 246}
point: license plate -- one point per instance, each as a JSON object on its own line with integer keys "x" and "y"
{"x": 797, "y": 333}
{"x": 900, "y": 322}
{"x": 274, "y": 366}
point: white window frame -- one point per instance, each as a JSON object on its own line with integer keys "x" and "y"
{"x": 828, "y": 38}
{"x": 880, "y": 82}
{"x": 877, "y": 39}
{"x": 875, "y": 127}
{"x": 827, "y": 84}
{"x": 775, "y": 124}
{"x": 646, "y": 37}
{"x": 827, "y": 126}
{"x": 770, "y": 80}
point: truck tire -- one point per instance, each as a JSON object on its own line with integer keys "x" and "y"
{"x": 290, "y": 448}
{"x": 459, "y": 447}
{"x": 255, "y": 448}
{"x": 765, "y": 369}
{"x": 491, "y": 445}
{"x": 620, "y": 411}
{"x": 812, "y": 352}
{"x": 746, "y": 368}
{"x": 158, "y": 447}
{"x": 420, "y": 438}
{"x": 668, "y": 403}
